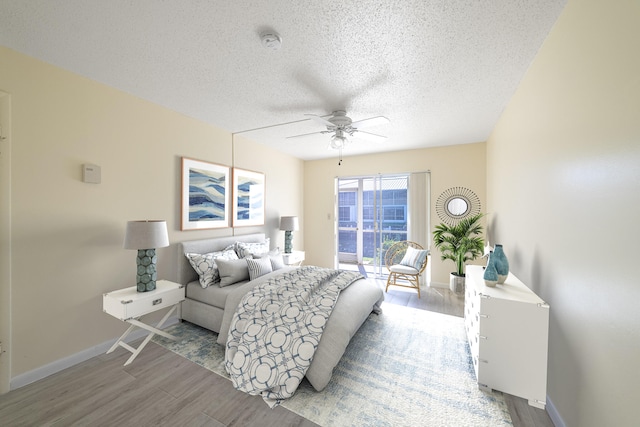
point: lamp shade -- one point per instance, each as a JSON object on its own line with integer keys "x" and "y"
{"x": 146, "y": 235}
{"x": 289, "y": 223}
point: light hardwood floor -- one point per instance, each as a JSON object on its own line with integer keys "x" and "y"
{"x": 163, "y": 389}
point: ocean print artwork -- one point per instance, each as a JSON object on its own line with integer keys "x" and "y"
{"x": 205, "y": 195}
{"x": 248, "y": 198}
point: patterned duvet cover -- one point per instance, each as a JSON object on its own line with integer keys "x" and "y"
{"x": 275, "y": 333}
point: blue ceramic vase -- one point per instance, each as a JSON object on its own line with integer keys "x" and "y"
{"x": 501, "y": 263}
{"x": 490, "y": 275}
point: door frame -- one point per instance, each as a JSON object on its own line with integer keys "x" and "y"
{"x": 5, "y": 242}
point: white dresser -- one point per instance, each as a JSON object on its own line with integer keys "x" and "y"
{"x": 508, "y": 330}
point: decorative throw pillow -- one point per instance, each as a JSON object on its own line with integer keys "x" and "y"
{"x": 206, "y": 267}
{"x": 277, "y": 262}
{"x": 258, "y": 267}
{"x": 244, "y": 250}
{"x": 414, "y": 257}
{"x": 232, "y": 271}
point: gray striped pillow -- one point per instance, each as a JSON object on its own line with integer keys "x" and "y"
{"x": 414, "y": 258}
{"x": 258, "y": 267}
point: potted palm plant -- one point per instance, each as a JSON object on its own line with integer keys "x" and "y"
{"x": 460, "y": 243}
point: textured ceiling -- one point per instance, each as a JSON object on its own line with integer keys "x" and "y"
{"x": 442, "y": 71}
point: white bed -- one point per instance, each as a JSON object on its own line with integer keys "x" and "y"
{"x": 213, "y": 307}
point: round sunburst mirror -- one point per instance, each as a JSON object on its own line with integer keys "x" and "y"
{"x": 457, "y": 203}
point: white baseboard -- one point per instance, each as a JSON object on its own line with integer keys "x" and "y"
{"x": 69, "y": 361}
{"x": 554, "y": 415}
{"x": 438, "y": 285}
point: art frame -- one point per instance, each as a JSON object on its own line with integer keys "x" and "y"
{"x": 205, "y": 190}
{"x": 248, "y": 198}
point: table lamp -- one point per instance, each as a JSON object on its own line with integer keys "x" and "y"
{"x": 288, "y": 224}
{"x": 146, "y": 236}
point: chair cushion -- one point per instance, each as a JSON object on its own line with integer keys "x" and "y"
{"x": 403, "y": 269}
{"x": 414, "y": 258}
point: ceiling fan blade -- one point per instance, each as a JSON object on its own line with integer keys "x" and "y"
{"x": 374, "y": 137}
{"x": 373, "y": 121}
{"x": 306, "y": 134}
{"x": 320, "y": 120}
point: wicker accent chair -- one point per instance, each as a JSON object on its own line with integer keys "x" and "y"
{"x": 397, "y": 271}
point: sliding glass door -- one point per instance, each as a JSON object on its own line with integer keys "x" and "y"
{"x": 372, "y": 213}
{"x": 394, "y": 214}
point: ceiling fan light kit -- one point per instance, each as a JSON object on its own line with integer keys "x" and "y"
{"x": 339, "y": 140}
{"x": 343, "y": 128}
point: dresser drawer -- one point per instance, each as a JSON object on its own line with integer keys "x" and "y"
{"x": 128, "y": 303}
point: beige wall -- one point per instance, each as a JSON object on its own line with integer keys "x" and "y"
{"x": 456, "y": 166}
{"x": 563, "y": 168}
{"x": 5, "y": 238}
{"x": 67, "y": 235}
{"x": 284, "y": 179}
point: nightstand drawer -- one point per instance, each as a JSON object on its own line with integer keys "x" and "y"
{"x": 128, "y": 303}
{"x": 294, "y": 258}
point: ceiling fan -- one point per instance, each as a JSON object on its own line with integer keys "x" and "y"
{"x": 342, "y": 127}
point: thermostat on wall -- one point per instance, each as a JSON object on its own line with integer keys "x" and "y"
{"x": 91, "y": 173}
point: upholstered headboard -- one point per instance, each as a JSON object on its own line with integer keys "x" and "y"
{"x": 186, "y": 273}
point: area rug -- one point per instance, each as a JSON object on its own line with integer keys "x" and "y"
{"x": 405, "y": 367}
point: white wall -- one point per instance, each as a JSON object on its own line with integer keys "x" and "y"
{"x": 67, "y": 235}
{"x": 563, "y": 168}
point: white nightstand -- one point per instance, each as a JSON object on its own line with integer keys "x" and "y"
{"x": 294, "y": 258}
{"x": 129, "y": 305}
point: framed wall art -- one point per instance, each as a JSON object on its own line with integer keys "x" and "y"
{"x": 248, "y": 198}
{"x": 206, "y": 188}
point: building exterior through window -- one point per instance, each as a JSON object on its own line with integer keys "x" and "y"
{"x": 372, "y": 214}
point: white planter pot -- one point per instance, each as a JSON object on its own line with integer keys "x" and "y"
{"x": 456, "y": 284}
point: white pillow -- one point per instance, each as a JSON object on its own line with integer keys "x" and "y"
{"x": 258, "y": 267}
{"x": 244, "y": 250}
{"x": 277, "y": 262}
{"x": 206, "y": 267}
{"x": 414, "y": 257}
{"x": 232, "y": 271}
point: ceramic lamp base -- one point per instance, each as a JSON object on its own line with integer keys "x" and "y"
{"x": 288, "y": 237}
{"x": 146, "y": 273}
